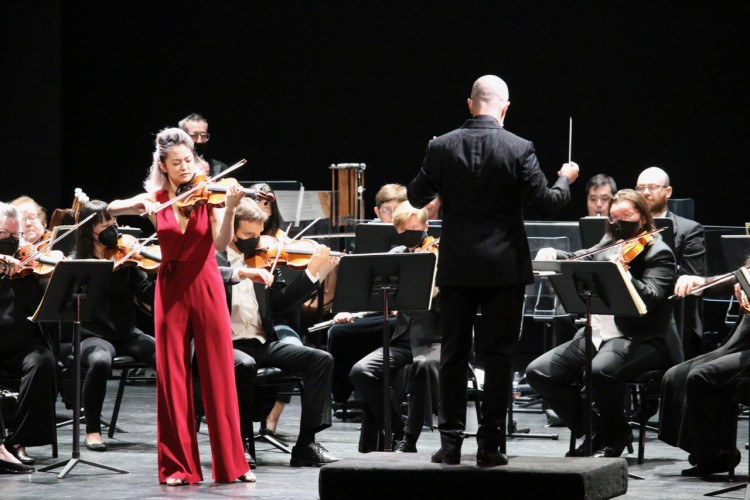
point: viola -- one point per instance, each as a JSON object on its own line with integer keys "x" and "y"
{"x": 296, "y": 254}
{"x": 130, "y": 252}
{"x": 212, "y": 193}
{"x": 39, "y": 263}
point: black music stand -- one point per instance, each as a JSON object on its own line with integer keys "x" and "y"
{"x": 594, "y": 287}
{"x": 371, "y": 282}
{"x": 72, "y": 295}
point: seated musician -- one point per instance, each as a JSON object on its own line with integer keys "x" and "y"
{"x": 698, "y": 402}
{"x": 112, "y": 332}
{"x": 416, "y": 342}
{"x": 24, "y": 353}
{"x": 253, "y": 295}
{"x": 388, "y": 197}
{"x": 33, "y": 219}
{"x": 625, "y": 346}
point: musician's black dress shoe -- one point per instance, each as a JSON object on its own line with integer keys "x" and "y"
{"x": 94, "y": 446}
{"x": 616, "y": 445}
{"x": 722, "y": 462}
{"x": 312, "y": 455}
{"x": 596, "y": 444}
{"x": 14, "y": 468}
{"x": 447, "y": 456}
{"x": 21, "y": 456}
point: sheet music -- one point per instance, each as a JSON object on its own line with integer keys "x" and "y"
{"x": 310, "y": 208}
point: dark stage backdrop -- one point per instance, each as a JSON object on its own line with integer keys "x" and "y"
{"x": 295, "y": 86}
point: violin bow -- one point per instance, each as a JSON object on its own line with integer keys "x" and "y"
{"x": 305, "y": 229}
{"x": 195, "y": 188}
{"x": 282, "y": 244}
{"x": 612, "y": 245}
{"x": 134, "y": 250}
{"x": 55, "y": 240}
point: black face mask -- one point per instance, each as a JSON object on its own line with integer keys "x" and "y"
{"x": 9, "y": 246}
{"x": 247, "y": 246}
{"x": 201, "y": 148}
{"x": 108, "y": 237}
{"x": 624, "y": 229}
{"x": 410, "y": 238}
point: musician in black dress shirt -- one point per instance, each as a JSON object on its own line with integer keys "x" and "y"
{"x": 485, "y": 176}
{"x": 24, "y": 352}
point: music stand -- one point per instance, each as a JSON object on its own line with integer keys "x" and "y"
{"x": 369, "y": 282}
{"x": 374, "y": 237}
{"x": 72, "y": 294}
{"x": 595, "y": 287}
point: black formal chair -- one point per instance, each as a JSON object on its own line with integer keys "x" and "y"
{"x": 645, "y": 394}
{"x": 9, "y": 387}
{"x": 128, "y": 368}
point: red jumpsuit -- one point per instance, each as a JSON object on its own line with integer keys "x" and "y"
{"x": 190, "y": 304}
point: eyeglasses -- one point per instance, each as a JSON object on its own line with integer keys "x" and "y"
{"x": 385, "y": 210}
{"x": 17, "y": 234}
{"x": 203, "y": 135}
{"x": 31, "y": 218}
{"x": 650, "y": 187}
{"x": 625, "y": 216}
{"x": 603, "y": 198}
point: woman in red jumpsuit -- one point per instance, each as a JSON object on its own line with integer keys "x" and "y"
{"x": 190, "y": 305}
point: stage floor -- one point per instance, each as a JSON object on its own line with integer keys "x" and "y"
{"x": 135, "y": 451}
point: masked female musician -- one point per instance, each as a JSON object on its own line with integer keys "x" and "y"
{"x": 625, "y": 346}
{"x": 698, "y": 409}
{"x": 113, "y": 331}
{"x": 190, "y": 305}
{"x": 24, "y": 353}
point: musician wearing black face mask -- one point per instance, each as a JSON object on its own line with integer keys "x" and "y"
{"x": 113, "y": 331}
{"x": 253, "y": 297}
{"x": 625, "y": 346}
{"x": 197, "y": 128}
{"x": 414, "y": 357}
{"x": 24, "y": 353}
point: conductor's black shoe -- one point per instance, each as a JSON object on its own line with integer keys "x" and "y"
{"x": 14, "y": 468}
{"x": 447, "y": 456}
{"x": 312, "y": 455}
{"x": 21, "y": 456}
{"x": 491, "y": 457}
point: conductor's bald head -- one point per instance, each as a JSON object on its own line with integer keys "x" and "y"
{"x": 489, "y": 96}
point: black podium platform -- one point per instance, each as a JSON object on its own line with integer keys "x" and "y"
{"x": 409, "y": 476}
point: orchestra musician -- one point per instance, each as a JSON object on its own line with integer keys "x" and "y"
{"x": 196, "y": 127}
{"x": 112, "y": 331}
{"x": 388, "y": 197}
{"x": 24, "y": 353}
{"x": 187, "y": 307}
{"x": 690, "y": 251}
{"x": 625, "y": 346}
{"x": 34, "y": 219}
{"x": 485, "y": 176}
{"x": 698, "y": 408}
{"x": 415, "y": 343}
{"x": 599, "y": 190}
{"x": 253, "y": 296}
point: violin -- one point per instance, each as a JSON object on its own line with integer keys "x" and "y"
{"x": 130, "y": 252}
{"x": 429, "y": 245}
{"x": 212, "y": 193}
{"x": 295, "y": 255}
{"x": 38, "y": 263}
{"x": 634, "y": 247}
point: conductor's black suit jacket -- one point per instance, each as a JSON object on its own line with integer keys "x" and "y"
{"x": 485, "y": 176}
